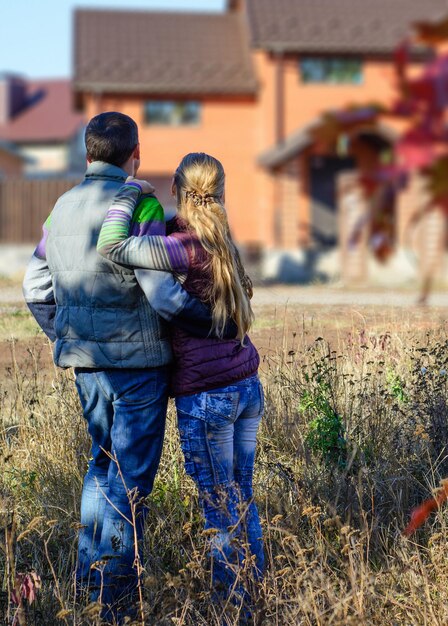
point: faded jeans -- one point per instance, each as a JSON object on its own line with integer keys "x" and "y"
{"x": 218, "y": 430}
{"x": 125, "y": 410}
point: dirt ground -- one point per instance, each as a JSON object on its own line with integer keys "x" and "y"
{"x": 287, "y": 317}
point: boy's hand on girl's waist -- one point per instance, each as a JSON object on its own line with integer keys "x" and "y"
{"x": 144, "y": 185}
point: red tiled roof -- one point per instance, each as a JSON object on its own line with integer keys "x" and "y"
{"x": 328, "y": 26}
{"x": 163, "y": 53}
{"x": 49, "y": 115}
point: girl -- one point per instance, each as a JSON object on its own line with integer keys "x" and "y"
{"x": 218, "y": 395}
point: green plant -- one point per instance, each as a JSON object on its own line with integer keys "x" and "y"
{"x": 397, "y": 386}
{"x": 20, "y": 479}
{"x": 325, "y": 431}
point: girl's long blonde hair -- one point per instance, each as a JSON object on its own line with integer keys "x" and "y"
{"x": 199, "y": 186}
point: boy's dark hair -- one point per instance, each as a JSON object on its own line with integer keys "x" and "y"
{"x": 111, "y": 137}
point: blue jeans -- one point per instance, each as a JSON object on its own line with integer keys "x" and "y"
{"x": 125, "y": 410}
{"x": 218, "y": 432}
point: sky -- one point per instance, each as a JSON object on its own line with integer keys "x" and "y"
{"x": 36, "y": 35}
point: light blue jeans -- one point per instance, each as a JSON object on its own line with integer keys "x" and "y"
{"x": 125, "y": 411}
{"x": 218, "y": 432}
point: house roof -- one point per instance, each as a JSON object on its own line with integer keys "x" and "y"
{"x": 163, "y": 53}
{"x": 47, "y": 114}
{"x": 342, "y": 26}
{"x": 287, "y": 149}
{"x": 304, "y": 137}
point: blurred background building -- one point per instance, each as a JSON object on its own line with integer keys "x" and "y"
{"x": 39, "y": 119}
{"x": 249, "y": 85}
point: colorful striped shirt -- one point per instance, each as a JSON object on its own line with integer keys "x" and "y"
{"x": 41, "y": 250}
{"x": 130, "y": 216}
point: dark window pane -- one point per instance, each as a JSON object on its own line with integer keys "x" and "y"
{"x": 333, "y": 70}
{"x": 172, "y": 113}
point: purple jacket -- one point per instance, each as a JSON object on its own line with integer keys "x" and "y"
{"x": 204, "y": 364}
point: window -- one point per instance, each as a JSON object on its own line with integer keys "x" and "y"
{"x": 331, "y": 70}
{"x": 172, "y": 113}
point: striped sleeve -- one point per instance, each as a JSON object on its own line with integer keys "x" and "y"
{"x": 41, "y": 250}
{"x": 133, "y": 234}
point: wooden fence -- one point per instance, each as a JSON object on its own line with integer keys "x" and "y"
{"x": 25, "y": 205}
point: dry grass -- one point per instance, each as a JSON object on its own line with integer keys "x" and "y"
{"x": 355, "y": 435}
{"x": 17, "y": 324}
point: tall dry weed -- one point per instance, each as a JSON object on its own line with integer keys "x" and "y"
{"x": 354, "y": 436}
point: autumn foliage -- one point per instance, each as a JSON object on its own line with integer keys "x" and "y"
{"x": 418, "y": 110}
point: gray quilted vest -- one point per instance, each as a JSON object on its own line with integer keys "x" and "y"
{"x": 103, "y": 318}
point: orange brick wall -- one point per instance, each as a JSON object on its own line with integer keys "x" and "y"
{"x": 422, "y": 233}
{"x": 238, "y": 131}
{"x": 302, "y": 103}
{"x": 287, "y": 218}
{"x": 227, "y": 131}
{"x": 352, "y": 208}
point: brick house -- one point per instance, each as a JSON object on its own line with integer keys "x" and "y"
{"x": 247, "y": 86}
{"x": 38, "y": 120}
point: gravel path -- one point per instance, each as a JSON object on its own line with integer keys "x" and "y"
{"x": 281, "y": 295}
{"x": 331, "y": 296}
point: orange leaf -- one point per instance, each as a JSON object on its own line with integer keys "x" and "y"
{"x": 421, "y": 513}
{"x": 432, "y": 32}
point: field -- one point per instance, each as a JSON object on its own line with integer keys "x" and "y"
{"x": 354, "y": 437}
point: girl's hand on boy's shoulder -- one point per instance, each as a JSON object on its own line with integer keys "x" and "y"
{"x": 146, "y": 186}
